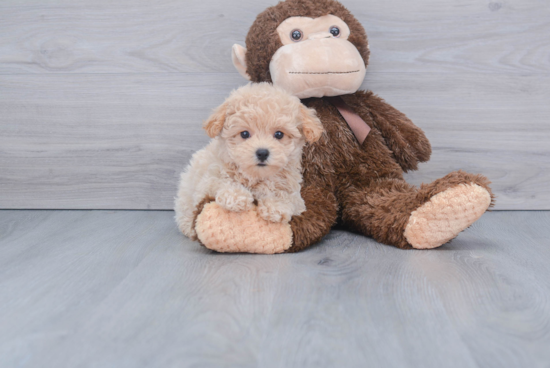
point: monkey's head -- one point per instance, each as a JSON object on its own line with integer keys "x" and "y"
{"x": 311, "y": 48}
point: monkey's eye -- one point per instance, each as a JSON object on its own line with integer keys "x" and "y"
{"x": 245, "y": 134}
{"x": 296, "y": 35}
{"x": 279, "y": 135}
{"x": 335, "y": 31}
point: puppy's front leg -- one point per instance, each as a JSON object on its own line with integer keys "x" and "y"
{"x": 234, "y": 197}
{"x": 276, "y": 208}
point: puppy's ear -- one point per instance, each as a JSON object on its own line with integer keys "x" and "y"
{"x": 311, "y": 125}
{"x": 214, "y": 124}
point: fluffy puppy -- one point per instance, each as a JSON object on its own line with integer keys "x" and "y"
{"x": 254, "y": 158}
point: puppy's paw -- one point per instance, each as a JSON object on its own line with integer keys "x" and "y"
{"x": 235, "y": 199}
{"x": 274, "y": 211}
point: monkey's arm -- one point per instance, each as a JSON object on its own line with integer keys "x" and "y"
{"x": 407, "y": 141}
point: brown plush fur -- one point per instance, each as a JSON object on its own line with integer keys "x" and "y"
{"x": 366, "y": 180}
{"x": 360, "y": 186}
{"x": 338, "y": 165}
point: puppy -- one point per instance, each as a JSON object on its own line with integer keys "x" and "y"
{"x": 254, "y": 158}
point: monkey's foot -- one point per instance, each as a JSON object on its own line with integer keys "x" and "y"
{"x": 245, "y": 232}
{"x": 445, "y": 215}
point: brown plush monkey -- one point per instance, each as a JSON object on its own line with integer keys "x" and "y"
{"x": 317, "y": 50}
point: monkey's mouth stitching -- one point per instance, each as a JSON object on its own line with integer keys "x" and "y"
{"x": 353, "y": 71}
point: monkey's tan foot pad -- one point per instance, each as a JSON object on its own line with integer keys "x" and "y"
{"x": 244, "y": 232}
{"x": 445, "y": 215}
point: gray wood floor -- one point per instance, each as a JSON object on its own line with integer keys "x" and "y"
{"x": 125, "y": 289}
{"x": 101, "y": 102}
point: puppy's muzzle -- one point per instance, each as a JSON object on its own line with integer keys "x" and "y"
{"x": 262, "y": 154}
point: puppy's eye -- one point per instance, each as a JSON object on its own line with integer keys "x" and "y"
{"x": 279, "y": 135}
{"x": 245, "y": 134}
{"x": 296, "y": 35}
{"x": 335, "y": 31}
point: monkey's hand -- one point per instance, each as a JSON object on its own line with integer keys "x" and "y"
{"x": 407, "y": 141}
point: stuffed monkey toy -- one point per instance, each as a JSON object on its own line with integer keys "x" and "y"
{"x": 352, "y": 176}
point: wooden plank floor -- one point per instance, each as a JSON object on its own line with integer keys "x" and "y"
{"x": 125, "y": 289}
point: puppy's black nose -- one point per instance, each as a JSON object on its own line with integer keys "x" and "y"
{"x": 262, "y": 154}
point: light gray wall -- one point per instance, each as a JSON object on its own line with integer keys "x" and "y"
{"x": 101, "y": 102}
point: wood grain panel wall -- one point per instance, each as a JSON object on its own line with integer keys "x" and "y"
{"x": 101, "y": 102}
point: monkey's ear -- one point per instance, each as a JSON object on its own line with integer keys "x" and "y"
{"x": 238, "y": 55}
{"x": 214, "y": 124}
{"x": 311, "y": 125}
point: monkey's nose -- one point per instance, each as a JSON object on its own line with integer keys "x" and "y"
{"x": 262, "y": 154}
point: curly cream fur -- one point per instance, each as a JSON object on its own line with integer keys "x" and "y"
{"x": 228, "y": 168}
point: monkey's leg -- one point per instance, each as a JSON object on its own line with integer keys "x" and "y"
{"x": 240, "y": 232}
{"x": 316, "y": 222}
{"x": 396, "y": 213}
{"x": 225, "y": 231}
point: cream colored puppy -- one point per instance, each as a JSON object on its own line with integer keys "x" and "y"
{"x": 254, "y": 159}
